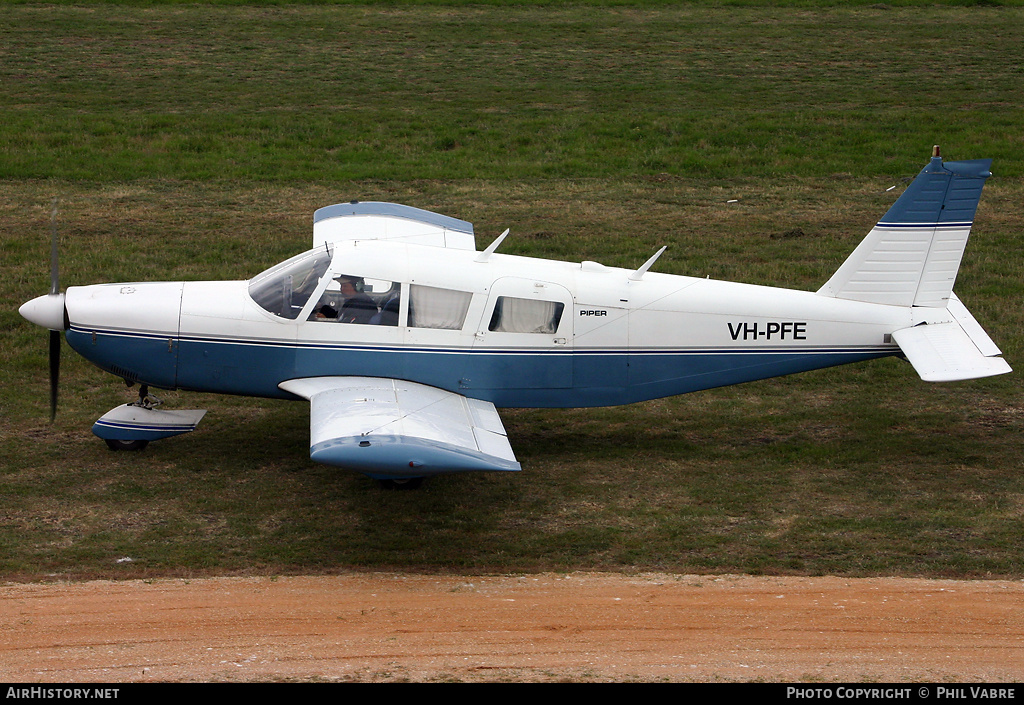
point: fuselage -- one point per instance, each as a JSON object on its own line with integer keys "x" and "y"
{"x": 515, "y": 331}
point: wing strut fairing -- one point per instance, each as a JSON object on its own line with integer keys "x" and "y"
{"x": 392, "y": 429}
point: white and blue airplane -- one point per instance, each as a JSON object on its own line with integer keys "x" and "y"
{"x": 405, "y": 339}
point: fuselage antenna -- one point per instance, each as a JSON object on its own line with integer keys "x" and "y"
{"x": 638, "y": 274}
{"x": 482, "y": 257}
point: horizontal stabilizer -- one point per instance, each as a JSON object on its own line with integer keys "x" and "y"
{"x": 971, "y": 326}
{"x": 945, "y": 352}
{"x": 388, "y": 428}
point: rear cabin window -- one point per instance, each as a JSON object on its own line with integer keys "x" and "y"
{"x": 513, "y": 315}
{"x": 432, "y": 307}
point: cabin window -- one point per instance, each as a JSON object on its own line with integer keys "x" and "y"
{"x": 353, "y": 299}
{"x": 431, "y": 307}
{"x": 285, "y": 288}
{"x": 513, "y": 315}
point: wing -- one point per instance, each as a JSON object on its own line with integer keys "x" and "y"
{"x": 390, "y": 221}
{"x": 388, "y": 428}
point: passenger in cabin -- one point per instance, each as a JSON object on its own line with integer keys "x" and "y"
{"x": 388, "y": 315}
{"x": 358, "y": 307}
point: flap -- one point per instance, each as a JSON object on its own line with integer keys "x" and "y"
{"x": 944, "y": 352}
{"x": 390, "y": 428}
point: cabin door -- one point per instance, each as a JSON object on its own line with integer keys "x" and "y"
{"x": 525, "y": 336}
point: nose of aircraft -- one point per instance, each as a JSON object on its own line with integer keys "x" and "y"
{"x": 46, "y": 311}
{"x": 129, "y": 329}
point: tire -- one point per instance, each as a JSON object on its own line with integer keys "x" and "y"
{"x": 405, "y": 483}
{"x": 115, "y": 444}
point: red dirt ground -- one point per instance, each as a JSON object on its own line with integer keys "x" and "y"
{"x": 575, "y": 627}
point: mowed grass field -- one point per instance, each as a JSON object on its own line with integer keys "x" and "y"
{"x": 759, "y": 142}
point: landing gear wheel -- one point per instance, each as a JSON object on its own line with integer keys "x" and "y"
{"x": 114, "y": 444}
{"x": 406, "y": 483}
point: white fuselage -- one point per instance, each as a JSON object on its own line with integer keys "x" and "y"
{"x": 564, "y": 334}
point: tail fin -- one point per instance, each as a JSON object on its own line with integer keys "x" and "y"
{"x": 911, "y": 257}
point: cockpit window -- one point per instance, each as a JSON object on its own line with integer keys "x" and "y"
{"x": 348, "y": 298}
{"x": 284, "y": 288}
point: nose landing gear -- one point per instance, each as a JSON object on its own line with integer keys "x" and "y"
{"x": 145, "y": 401}
{"x": 132, "y": 426}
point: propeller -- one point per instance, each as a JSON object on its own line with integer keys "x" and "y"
{"x": 48, "y": 311}
{"x": 54, "y": 371}
{"x": 54, "y": 334}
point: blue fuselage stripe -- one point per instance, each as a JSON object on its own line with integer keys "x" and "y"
{"x": 505, "y": 377}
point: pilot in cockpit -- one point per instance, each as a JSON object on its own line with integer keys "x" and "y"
{"x": 358, "y": 307}
{"x": 352, "y": 299}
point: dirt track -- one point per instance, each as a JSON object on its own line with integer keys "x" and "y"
{"x": 580, "y": 627}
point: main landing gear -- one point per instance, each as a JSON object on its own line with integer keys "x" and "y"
{"x": 119, "y": 444}
{"x": 405, "y": 483}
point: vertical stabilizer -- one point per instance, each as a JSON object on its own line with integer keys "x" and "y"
{"x": 911, "y": 257}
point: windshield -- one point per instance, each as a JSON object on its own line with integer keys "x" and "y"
{"x": 284, "y": 288}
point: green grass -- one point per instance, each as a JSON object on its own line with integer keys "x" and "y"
{"x": 194, "y": 141}
{"x": 311, "y": 93}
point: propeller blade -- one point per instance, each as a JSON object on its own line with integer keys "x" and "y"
{"x": 54, "y": 335}
{"x": 54, "y": 277}
{"x": 54, "y": 371}
{"x": 50, "y": 312}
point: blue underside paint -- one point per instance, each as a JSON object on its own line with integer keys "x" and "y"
{"x": 136, "y": 358}
{"x": 137, "y": 431}
{"x": 255, "y": 369}
{"x": 610, "y": 378}
{"x": 396, "y": 457}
